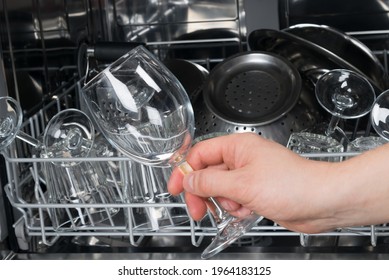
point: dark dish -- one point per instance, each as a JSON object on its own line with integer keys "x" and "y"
{"x": 347, "y": 47}
{"x": 191, "y": 75}
{"x": 306, "y": 56}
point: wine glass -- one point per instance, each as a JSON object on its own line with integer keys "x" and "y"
{"x": 380, "y": 115}
{"x": 144, "y": 112}
{"x": 345, "y": 95}
{"x": 64, "y": 137}
{"x": 70, "y": 134}
{"x": 11, "y": 118}
{"x": 380, "y": 122}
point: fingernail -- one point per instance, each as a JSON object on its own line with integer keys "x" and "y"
{"x": 189, "y": 183}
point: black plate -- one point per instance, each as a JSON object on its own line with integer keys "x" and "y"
{"x": 348, "y": 48}
{"x": 305, "y": 55}
{"x": 191, "y": 75}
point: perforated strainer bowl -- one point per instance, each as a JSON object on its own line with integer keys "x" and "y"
{"x": 259, "y": 92}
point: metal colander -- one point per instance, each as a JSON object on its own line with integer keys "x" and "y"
{"x": 256, "y": 92}
{"x": 252, "y": 94}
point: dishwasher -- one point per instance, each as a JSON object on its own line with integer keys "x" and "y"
{"x": 48, "y": 49}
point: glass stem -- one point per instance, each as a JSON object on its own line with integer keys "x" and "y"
{"x": 332, "y": 125}
{"x": 220, "y": 215}
{"x": 28, "y": 139}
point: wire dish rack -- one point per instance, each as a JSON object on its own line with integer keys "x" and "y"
{"x": 37, "y": 217}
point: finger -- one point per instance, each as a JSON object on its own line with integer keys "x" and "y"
{"x": 219, "y": 167}
{"x": 235, "y": 209}
{"x": 241, "y": 212}
{"x": 228, "y": 204}
{"x": 214, "y": 183}
{"x": 174, "y": 184}
{"x": 196, "y": 206}
{"x": 213, "y": 151}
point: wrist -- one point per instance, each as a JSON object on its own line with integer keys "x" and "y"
{"x": 360, "y": 190}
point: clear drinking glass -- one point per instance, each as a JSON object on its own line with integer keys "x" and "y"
{"x": 380, "y": 115}
{"x": 147, "y": 184}
{"x": 344, "y": 94}
{"x": 306, "y": 143}
{"x": 144, "y": 112}
{"x": 73, "y": 184}
{"x": 365, "y": 143}
{"x": 11, "y": 118}
{"x": 109, "y": 172}
{"x": 70, "y": 134}
{"x": 380, "y": 122}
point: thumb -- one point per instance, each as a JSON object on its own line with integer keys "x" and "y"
{"x": 213, "y": 183}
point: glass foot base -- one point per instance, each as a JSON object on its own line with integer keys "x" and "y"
{"x": 229, "y": 234}
{"x": 362, "y": 144}
{"x": 307, "y": 142}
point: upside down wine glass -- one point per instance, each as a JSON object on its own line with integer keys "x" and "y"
{"x": 345, "y": 95}
{"x": 380, "y": 122}
{"x": 71, "y": 134}
{"x": 144, "y": 112}
{"x": 380, "y": 115}
{"x": 75, "y": 143}
{"x": 11, "y": 118}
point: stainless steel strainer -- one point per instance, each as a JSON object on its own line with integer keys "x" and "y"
{"x": 256, "y": 92}
{"x": 253, "y": 88}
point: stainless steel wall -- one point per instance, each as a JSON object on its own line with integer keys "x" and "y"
{"x": 40, "y": 38}
{"x": 346, "y": 15}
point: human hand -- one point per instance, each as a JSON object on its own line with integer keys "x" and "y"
{"x": 246, "y": 172}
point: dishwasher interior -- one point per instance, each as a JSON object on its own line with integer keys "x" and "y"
{"x": 49, "y": 47}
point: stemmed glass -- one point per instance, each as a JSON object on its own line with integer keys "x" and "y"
{"x": 380, "y": 115}
{"x": 70, "y": 134}
{"x": 365, "y": 143}
{"x": 11, "y": 118}
{"x": 380, "y": 122}
{"x": 345, "y": 95}
{"x": 144, "y": 112}
{"x": 10, "y": 124}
